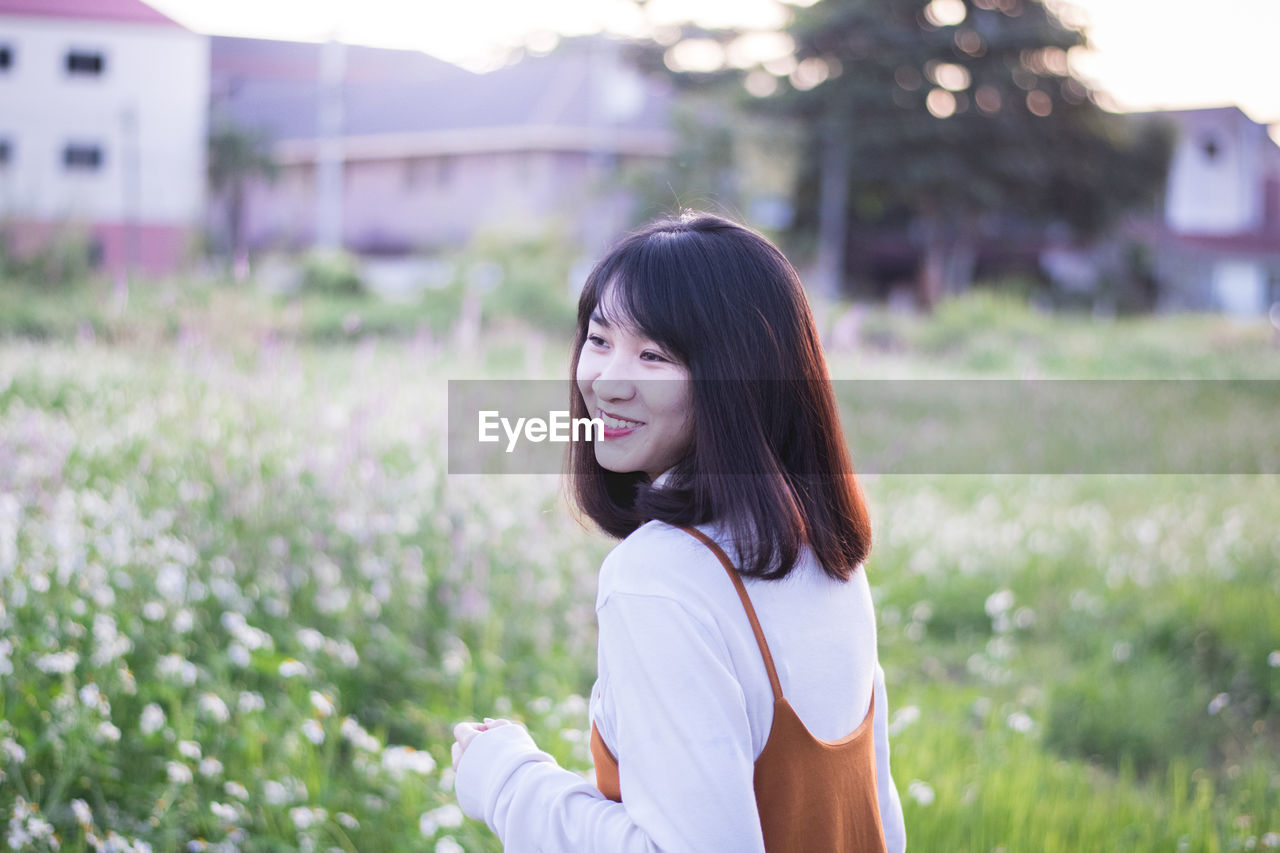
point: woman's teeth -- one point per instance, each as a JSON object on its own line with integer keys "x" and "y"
{"x": 618, "y": 423}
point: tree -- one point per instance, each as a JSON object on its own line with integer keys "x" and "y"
{"x": 955, "y": 117}
{"x": 237, "y": 157}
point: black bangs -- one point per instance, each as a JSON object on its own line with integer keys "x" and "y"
{"x": 646, "y": 286}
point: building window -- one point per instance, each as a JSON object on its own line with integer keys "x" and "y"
{"x": 6, "y": 57}
{"x": 1209, "y": 145}
{"x": 444, "y": 170}
{"x": 86, "y": 63}
{"x": 81, "y": 157}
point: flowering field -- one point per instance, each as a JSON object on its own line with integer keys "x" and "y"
{"x": 241, "y": 606}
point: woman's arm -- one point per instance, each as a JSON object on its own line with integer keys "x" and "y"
{"x": 677, "y": 722}
{"x": 895, "y": 833}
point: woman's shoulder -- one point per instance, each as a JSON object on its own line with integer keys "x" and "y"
{"x": 659, "y": 559}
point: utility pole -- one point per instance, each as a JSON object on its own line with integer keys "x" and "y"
{"x": 329, "y": 155}
{"x": 833, "y": 200}
{"x": 131, "y": 187}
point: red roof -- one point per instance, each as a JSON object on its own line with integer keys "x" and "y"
{"x": 125, "y": 11}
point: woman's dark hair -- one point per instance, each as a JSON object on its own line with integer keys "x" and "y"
{"x": 768, "y": 458}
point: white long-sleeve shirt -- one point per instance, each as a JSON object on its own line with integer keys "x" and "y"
{"x": 683, "y": 699}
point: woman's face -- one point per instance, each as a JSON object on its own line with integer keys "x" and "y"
{"x": 642, "y": 394}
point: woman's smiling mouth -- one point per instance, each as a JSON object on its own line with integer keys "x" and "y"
{"x": 615, "y": 427}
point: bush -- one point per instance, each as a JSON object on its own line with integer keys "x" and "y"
{"x": 523, "y": 278}
{"x": 331, "y": 273}
{"x": 1142, "y": 711}
{"x": 64, "y": 260}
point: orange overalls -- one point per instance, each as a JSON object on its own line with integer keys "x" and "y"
{"x": 812, "y": 795}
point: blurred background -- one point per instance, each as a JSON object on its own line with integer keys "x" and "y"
{"x": 244, "y": 246}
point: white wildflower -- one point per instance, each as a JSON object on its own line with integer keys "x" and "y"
{"x": 82, "y": 812}
{"x": 349, "y": 821}
{"x": 322, "y": 703}
{"x": 183, "y": 621}
{"x": 447, "y": 844}
{"x": 903, "y": 717}
{"x": 251, "y": 701}
{"x": 998, "y": 602}
{"x": 152, "y": 719}
{"x": 287, "y": 790}
{"x": 1273, "y": 660}
{"x": 41, "y": 830}
{"x": 179, "y": 774}
{"x": 290, "y": 668}
{"x": 235, "y": 789}
{"x": 303, "y": 817}
{"x": 171, "y": 582}
{"x": 224, "y": 813}
{"x": 399, "y": 759}
{"x": 189, "y": 749}
{"x": 58, "y": 663}
{"x": 1019, "y": 722}
{"x": 344, "y": 652}
{"x": 1218, "y": 703}
{"x": 212, "y": 706}
{"x": 313, "y": 731}
{"x": 13, "y": 750}
{"x": 107, "y": 732}
{"x": 238, "y": 655}
{"x": 445, "y": 817}
{"x": 361, "y": 739}
{"x": 921, "y": 792}
{"x": 210, "y": 767}
{"x": 177, "y": 668}
{"x": 91, "y": 697}
{"x": 311, "y": 639}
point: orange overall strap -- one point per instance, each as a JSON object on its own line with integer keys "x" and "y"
{"x": 746, "y": 605}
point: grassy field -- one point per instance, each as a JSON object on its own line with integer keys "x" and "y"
{"x": 241, "y": 604}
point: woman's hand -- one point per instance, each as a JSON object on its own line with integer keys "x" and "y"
{"x": 464, "y": 733}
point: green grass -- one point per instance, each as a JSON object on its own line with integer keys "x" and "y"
{"x": 198, "y": 499}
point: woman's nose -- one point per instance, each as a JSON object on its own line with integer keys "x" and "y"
{"x": 613, "y": 382}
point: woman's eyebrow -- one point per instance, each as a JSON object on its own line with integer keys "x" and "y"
{"x": 598, "y": 319}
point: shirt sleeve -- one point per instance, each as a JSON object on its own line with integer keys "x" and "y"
{"x": 895, "y": 832}
{"x": 678, "y": 724}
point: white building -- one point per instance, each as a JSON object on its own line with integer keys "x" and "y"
{"x": 103, "y": 117}
{"x": 1219, "y": 248}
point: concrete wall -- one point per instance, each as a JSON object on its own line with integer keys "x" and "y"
{"x": 415, "y": 203}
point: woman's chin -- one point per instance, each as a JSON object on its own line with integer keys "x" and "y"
{"x": 616, "y": 464}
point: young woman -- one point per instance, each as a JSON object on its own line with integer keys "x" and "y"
{"x": 739, "y": 705}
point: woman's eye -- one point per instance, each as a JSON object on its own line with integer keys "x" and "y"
{"x": 595, "y": 340}
{"x": 650, "y": 355}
